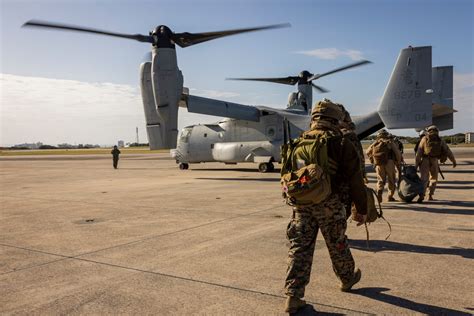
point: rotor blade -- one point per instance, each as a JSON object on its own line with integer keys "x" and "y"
{"x": 65, "y": 27}
{"x": 319, "y": 88}
{"x": 357, "y": 64}
{"x": 285, "y": 80}
{"x": 187, "y": 39}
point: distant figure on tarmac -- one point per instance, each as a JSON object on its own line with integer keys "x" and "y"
{"x": 431, "y": 149}
{"x": 314, "y": 168}
{"x": 115, "y": 156}
{"x": 385, "y": 155}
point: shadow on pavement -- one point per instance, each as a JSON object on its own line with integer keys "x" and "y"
{"x": 309, "y": 310}
{"x": 452, "y": 203}
{"x": 387, "y": 245}
{"x": 455, "y": 187}
{"x": 376, "y": 293}
{"x": 442, "y": 210}
{"x": 456, "y": 171}
{"x": 438, "y": 207}
{"x": 455, "y": 182}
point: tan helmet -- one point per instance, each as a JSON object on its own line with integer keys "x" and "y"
{"x": 326, "y": 108}
{"x": 432, "y": 129}
{"x": 383, "y": 134}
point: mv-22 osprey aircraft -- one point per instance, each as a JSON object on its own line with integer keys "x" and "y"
{"x": 416, "y": 96}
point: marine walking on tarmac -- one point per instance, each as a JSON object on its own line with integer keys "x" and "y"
{"x": 314, "y": 167}
{"x": 347, "y": 128}
{"x": 431, "y": 150}
{"x": 386, "y": 156}
{"x": 115, "y": 156}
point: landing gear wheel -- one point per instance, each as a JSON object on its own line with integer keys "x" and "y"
{"x": 183, "y": 166}
{"x": 265, "y": 167}
{"x": 271, "y": 167}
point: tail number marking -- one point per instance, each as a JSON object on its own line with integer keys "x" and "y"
{"x": 407, "y": 94}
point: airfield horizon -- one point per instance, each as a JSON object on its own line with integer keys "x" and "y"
{"x": 131, "y": 150}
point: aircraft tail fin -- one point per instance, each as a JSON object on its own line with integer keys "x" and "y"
{"x": 407, "y": 102}
{"x": 443, "y": 112}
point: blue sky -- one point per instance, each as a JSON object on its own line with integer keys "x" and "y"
{"x": 371, "y": 29}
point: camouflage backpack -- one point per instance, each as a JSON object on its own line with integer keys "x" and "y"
{"x": 307, "y": 181}
{"x": 433, "y": 146}
{"x": 381, "y": 152}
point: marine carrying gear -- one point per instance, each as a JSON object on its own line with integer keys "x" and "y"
{"x": 410, "y": 184}
{"x": 372, "y": 212}
{"x": 433, "y": 146}
{"x": 306, "y": 169}
{"x": 381, "y": 152}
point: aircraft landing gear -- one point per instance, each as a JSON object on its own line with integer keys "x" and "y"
{"x": 183, "y": 166}
{"x": 266, "y": 167}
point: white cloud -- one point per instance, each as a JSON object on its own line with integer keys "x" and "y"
{"x": 55, "y": 111}
{"x": 213, "y": 94}
{"x": 333, "y": 53}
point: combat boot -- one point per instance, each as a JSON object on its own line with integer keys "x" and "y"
{"x": 346, "y": 287}
{"x": 420, "y": 199}
{"x": 391, "y": 199}
{"x": 430, "y": 197}
{"x": 293, "y": 304}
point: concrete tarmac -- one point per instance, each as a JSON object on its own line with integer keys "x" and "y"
{"x": 78, "y": 237}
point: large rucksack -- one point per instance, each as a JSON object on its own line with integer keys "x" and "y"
{"x": 307, "y": 182}
{"x": 410, "y": 184}
{"x": 381, "y": 152}
{"x": 373, "y": 213}
{"x": 433, "y": 146}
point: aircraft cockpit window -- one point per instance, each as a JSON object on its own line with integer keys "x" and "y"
{"x": 185, "y": 135}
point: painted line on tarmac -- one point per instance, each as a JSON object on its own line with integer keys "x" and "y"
{"x": 181, "y": 230}
{"x": 77, "y": 257}
{"x": 230, "y": 287}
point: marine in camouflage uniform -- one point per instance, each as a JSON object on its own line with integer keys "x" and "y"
{"x": 428, "y": 165}
{"x": 328, "y": 216}
{"x": 347, "y": 128}
{"x": 385, "y": 171}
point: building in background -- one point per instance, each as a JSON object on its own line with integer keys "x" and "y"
{"x": 469, "y": 138}
{"x": 120, "y": 144}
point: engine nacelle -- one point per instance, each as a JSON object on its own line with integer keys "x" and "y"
{"x": 161, "y": 87}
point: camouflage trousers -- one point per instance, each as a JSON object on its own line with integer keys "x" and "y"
{"x": 329, "y": 217}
